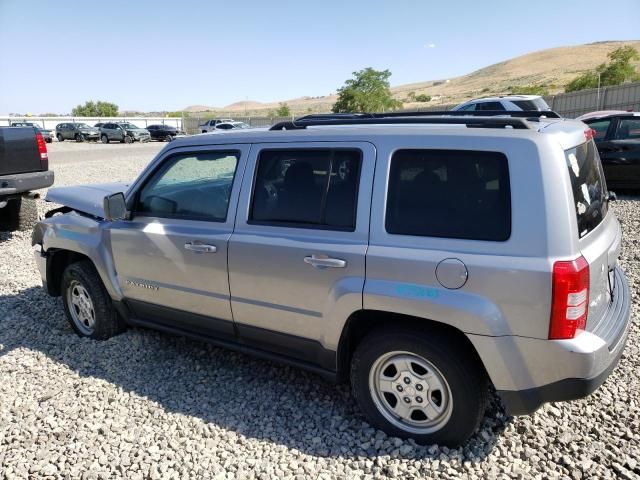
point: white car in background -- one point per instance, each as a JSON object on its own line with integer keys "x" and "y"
{"x": 210, "y": 125}
{"x": 226, "y": 126}
{"x": 507, "y": 102}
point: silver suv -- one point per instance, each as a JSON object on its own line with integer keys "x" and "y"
{"x": 422, "y": 258}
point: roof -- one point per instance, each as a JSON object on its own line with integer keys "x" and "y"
{"x": 607, "y": 114}
{"x": 569, "y": 130}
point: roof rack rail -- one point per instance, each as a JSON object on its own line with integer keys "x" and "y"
{"x": 479, "y": 119}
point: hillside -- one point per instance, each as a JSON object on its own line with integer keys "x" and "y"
{"x": 552, "y": 68}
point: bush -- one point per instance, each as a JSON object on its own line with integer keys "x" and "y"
{"x": 529, "y": 90}
{"x": 283, "y": 110}
{"x": 423, "y": 98}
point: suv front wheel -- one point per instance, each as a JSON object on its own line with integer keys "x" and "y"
{"x": 419, "y": 385}
{"x": 87, "y": 304}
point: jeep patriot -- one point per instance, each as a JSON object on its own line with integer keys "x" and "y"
{"x": 420, "y": 257}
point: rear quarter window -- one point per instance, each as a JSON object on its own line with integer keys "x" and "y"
{"x": 588, "y": 186}
{"x": 450, "y": 194}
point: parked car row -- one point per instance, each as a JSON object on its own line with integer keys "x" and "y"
{"x": 123, "y": 132}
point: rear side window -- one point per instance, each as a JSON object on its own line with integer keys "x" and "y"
{"x": 449, "y": 193}
{"x": 588, "y": 185}
{"x": 535, "y": 104}
{"x": 313, "y": 188}
{"x": 601, "y": 127}
{"x": 628, "y": 129}
{"x": 489, "y": 106}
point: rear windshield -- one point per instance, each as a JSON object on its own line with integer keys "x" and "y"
{"x": 588, "y": 185}
{"x": 535, "y": 104}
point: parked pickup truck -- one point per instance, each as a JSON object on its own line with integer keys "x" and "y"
{"x": 24, "y": 166}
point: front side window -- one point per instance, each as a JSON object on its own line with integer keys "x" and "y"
{"x": 628, "y": 129}
{"x": 449, "y": 194}
{"x": 195, "y": 186}
{"x": 588, "y": 185}
{"x": 310, "y": 188}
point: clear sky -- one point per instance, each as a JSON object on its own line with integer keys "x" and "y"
{"x": 166, "y": 55}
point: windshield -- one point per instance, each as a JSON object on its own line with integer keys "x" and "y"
{"x": 82, "y": 125}
{"x": 129, "y": 126}
{"x": 588, "y": 185}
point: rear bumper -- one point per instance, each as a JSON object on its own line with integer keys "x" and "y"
{"x": 25, "y": 182}
{"x": 529, "y": 372}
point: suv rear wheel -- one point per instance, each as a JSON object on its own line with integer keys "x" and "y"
{"x": 87, "y": 304}
{"x": 419, "y": 385}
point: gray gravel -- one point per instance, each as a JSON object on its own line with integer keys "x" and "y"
{"x": 148, "y": 405}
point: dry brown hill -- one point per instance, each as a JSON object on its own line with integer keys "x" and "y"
{"x": 552, "y": 68}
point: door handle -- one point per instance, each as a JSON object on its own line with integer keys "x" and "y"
{"x": 200, "y": 247}
{"x": 323, "y": 261}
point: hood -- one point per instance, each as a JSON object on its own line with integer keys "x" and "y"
{"x": 85, "y": 198}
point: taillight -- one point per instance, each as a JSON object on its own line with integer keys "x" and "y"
{"x": 589, "y": 133}
{"x": 42, "y": 150}
{"x": 570, "y": 298}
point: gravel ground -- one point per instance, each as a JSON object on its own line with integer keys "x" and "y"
{"x": 148, "y": 405}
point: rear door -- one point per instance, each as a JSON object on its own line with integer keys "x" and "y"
{"x": 297, "y": 254}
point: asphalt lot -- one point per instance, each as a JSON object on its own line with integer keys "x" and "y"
{"x": 149, "y": 405}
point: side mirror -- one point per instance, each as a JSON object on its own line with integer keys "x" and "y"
{"x": 115, "y": 207}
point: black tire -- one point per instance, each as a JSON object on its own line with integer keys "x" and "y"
{"x": 128, "y": 139}
{"x": 19, "y": 214}
{"x": 204, "y": 131}
{"x": 168, "y": 138}
{"x": 79, "y": 137}
{"x": 60, "y": 137}
{"x": 49, "y": 140}
{"x": 453, "y": 360}
{"x": 108, "y": 322}
{"x": 104, "y": 139}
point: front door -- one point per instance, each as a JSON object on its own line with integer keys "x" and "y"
{"x": 171, "y": 257}
{"x": 297, "y": 254}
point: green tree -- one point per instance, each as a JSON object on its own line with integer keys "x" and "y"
{"x": 619, "y": 70}
{"x": 96, "y": 109}
{"x": 423, "y": 98}
{"x": 368, "y": 91}
{"x": 283, "y": 110}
